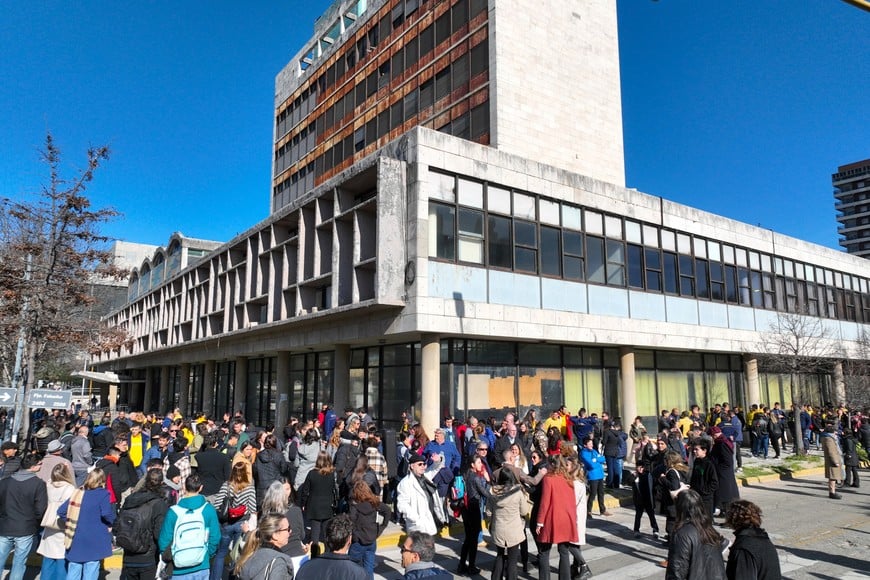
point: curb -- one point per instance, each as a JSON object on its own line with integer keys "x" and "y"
{"x": 788, "y": 475}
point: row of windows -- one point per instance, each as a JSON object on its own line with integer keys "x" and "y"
{"x": 479, "y": 223}
{"x": 359, "y": 53}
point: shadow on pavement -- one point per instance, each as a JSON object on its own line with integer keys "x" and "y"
{"x": 858, "y": 565}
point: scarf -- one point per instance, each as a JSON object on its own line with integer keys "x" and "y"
{"x": 72, "y": 517}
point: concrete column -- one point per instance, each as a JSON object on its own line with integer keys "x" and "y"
{"x": 163, "y": 403}
{"x": 104, "y": 396}
{"x": 627, "y": 386}
{"x": 341, "y": 383}
{"x": 113, "y": 398}
{"x": 208, "y": 387}
{"x": 431, "y": 379}
{"x": 753, "y": 391}
{"x": 839, "y": 383}
{"x": 184, "y": 389}
{"x": 240, "y": 385}
{"x": 282, "y": 405}
{"x": 148, "y": 390}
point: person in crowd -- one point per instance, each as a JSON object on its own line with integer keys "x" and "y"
{"x": 556, "y": 521}
{"x": 615, "y": 448}
{"x": 280, "y": 499}
{"x": 60, "y": 488}
{"x": 370, "y": 517}
{"x": 87, "y": 517}
{"x": 53, "y": 457}
{"x": 418, "y": 551}
{"x": 695, "y": 550}
{"x": 775, "y": 431}
{"x": 102, "y": 437}
{"x": 752, "y": 556}
{"x": 151, "y": 505}
{"x": 159, "y": 449}
{"x": 241, "y": 503}
{"x": 704, "y": 479}
{"x": 509, "y": 507}
{"x": 179, "y": 458}
{"x": 82, "y": 459}
{"x": 317, "y": 496}
{"x": 554, "y": 441}
{"x": 593, "y": 463}
{"x": 579, "y": 567}
{"x": 138, "y": 442}
{"x": 722, "y": 457}
{"x": 636, "y": 433}
{"x": 833, "y": 459}
{"x": 23, "y": 501}
{"x": 761, "y": 434}
{"x": 263, "y": 555}
{"x": 448, "y": 450}
{"x": 671, "y": 480}
{"x": 306, "y": 454}
{"x": 644, "y": 496}
{"x": 269, "y": 466}
{"x": 362, "y": 472}
{"x": 335, "y": 563}
{"x": 850, "y": 459}
{"x": 192, "y": 501}
{"x": 477, "y": 484}
{"x": 246, "y": 454}
{"x": 212, "y": 466}
{"x": 334, "y": 441}
{"x": 417, "y": 499}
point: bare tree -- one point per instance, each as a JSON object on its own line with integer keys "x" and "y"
{"x": 797, "y": 345}
{"x": 856, "y": 374}
{"x": 51, "y": 253}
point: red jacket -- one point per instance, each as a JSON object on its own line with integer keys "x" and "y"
{"x": 557, "y": 512}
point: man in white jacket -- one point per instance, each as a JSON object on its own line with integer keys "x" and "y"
{"x": 418, "y": 501}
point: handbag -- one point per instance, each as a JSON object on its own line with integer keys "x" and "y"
{"x": 235, "y": 513}
{"x": 683, "y": 487}
{"x": 223, "y": 510}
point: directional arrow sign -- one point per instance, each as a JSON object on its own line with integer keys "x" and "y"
{"x": 49, "y": 399}
{"x": 7, "y": 396}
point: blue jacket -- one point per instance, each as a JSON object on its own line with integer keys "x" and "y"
{"x": 92, "y": 540}
{"x": 451, "y": 454}
{"x": 211, "y": 524}
{"x": 329, "y": 419}
{"x": 593, "y": 463}
{"x": 583, "y": 427}
{"x": 152, "y": 452}
{"x": 426, "y": 570}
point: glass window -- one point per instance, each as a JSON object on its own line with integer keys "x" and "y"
{"x": 684, "y": 244}
{"x": 651, "y": 236}
{"x": 615, "y": 263}
{"x": 594, "y": 223}
{"x": 687, "y": 275}
{"x": 717, "y": 281}
{"x": 443, "y": 186}
{"x": 498, "y": 199}
{"x": 635, "y": 265}
{"x": 470, "y": 193}
{"x": 613, "y": 227}
{"x": 755, "y": 260}
{"x": 713, "y": 251}
{"x": 653, "y": 270}
{"x": 524, "y": 206}
{"x": 470, "y": 236}
{"x": 744, "y": 287}
{"x": 572, "y": 260}
{"x": 499, "y": 242}
{"x": 571, "y": 217}
{"x": 549, "y": 211}
{"x": 442, "y": 231}
{"x": 671, "y": 278}
{"x": 730, "y": 284}
{"x": 526, "y": 249}
{"x": 701, "y": 281}
{"x": 727, "y": 254}
{"x": 551, "y": 252}
{"x": 668, "y": 240}
{"x": 595, "y": 259}
{"x": 632, "y": 232}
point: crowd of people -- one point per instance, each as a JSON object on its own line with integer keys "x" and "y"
{"x": 201, "y": 498}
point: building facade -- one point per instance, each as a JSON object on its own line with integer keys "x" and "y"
{"x": 446, "y": 271}
{"x": 852, "y": 195}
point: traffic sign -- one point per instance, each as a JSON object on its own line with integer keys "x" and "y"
{"x": 7, "y": 396}
{"x": 49, "y": 399}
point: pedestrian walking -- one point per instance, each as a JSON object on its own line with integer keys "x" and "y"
{"x": 833, "y": 459}
{"x": 370, "y": 517}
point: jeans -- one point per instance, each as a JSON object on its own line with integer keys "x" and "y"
{"x": 229, "y": 532}
{"x": 364, "y": 555}
{"x": 83, "y": 570}
{"x": 53, "y": 569}
{"x": 763, "y": 445}
{"x": 22, "y": 545}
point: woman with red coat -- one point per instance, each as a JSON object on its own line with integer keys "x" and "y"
{"x": 557, "y": 520}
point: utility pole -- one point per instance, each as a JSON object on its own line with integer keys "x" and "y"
{"x": 17, "y": 379}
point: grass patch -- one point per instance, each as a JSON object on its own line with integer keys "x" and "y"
{"x": 755, "y": 471}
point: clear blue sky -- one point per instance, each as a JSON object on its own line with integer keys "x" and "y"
{"x": 742, "y": 108}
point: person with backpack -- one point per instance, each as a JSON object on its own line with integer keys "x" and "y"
{"x": 138, "y": 525}
{"x": 760, "y": 434}
{"x": 191, "y": 532}
{"x": 88, "y": 515}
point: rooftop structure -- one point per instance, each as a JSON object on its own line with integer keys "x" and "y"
{"x": 852, "y": 193}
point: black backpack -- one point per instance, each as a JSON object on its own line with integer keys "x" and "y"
{"x": 67, "y": 439}
{"x": 132, "y": 529}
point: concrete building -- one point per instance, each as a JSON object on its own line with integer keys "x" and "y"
{"x": 852, "y": 192}
{"x": 473, "y": 268}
